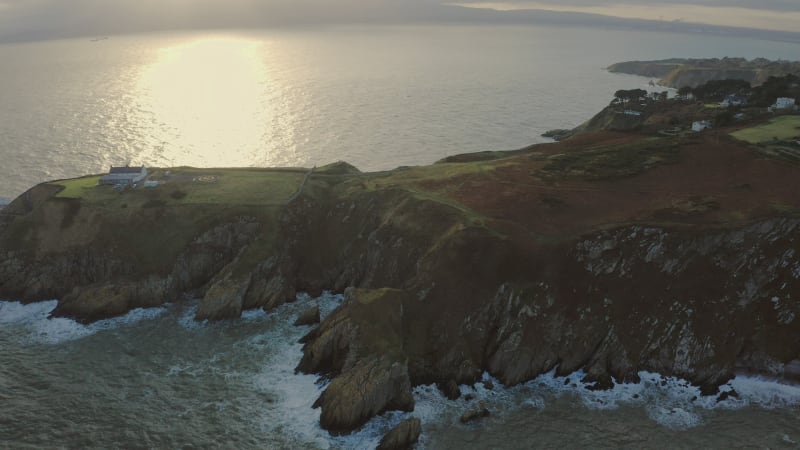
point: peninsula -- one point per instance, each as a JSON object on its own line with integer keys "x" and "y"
{"x": 617, "y": 250}
{"x": 678, "y": 72}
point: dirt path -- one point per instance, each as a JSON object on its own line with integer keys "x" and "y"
{"x": 302, "y": 185}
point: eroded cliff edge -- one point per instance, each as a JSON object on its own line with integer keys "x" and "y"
{"x": 608, "y": 252}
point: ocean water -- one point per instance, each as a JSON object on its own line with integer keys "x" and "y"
{"x": 378, "y": 97}
{"x": 155, "y": 378}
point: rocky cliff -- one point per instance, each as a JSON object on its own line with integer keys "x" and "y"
{"x": 608, "y": 252}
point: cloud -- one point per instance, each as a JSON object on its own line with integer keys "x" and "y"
{"x": 763, "y": 5}
{"x": 60, "y": 17}
{"x": 776, "y": 15}
{"x": 42, "y": 19}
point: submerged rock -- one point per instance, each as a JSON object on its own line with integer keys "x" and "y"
{"x": 403, "y": 436}
{"x": 478, "y": 411}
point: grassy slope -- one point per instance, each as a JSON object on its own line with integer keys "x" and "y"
{"x": 550, "y": 191}
{"x": 780, "y": 128}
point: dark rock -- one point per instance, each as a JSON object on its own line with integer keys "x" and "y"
{"x": 450, "y": 390}
{"x": 358, "y": 394}
{"x": 726, "y": 395}
{"x": 488, "y": 384}
{"x": 601, "y": 383}
{"x": 308, "y": 317}
{"x": 469, "y": 397}
{"x": 709, "y": 389}
{"x": 558, "y": 134}
{"x": 366, "y": 380}
{"x": 403, "y": 436}
{"x": 479, "y": 411}
{"x": 223, "y": 300}
{"x": 792, "y": 370}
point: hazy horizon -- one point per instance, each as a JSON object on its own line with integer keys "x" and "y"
{"x": 32, "y": 20}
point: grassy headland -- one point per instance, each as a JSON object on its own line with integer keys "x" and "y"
{"x": 632, "y": 245}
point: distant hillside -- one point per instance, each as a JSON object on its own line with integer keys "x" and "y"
{"x": 676, "y": 73}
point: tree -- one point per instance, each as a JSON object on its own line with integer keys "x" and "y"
{"x": 627, "y": 95}
{"x": 684, "y": 91}
{"x": 717, "y": 90}
{"x": 723, "y": 118}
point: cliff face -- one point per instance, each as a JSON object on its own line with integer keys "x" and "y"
{"x": 586, "y": 254}
{"x": 613, "y": 303}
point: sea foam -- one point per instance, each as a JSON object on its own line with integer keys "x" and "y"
{"x": 38, "y": 328}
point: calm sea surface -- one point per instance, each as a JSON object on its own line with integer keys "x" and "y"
{"x": 378, "y": 98}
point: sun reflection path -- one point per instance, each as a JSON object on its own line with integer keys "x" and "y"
{"x": 209, "y": 103}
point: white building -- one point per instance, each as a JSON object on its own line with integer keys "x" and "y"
{"x": 124, "y": 175}
{"x": 784, "y": 103}
{"x": 700, "y": 125}
{"x": 631, "y": 112}
{"x": 733, "y": 100}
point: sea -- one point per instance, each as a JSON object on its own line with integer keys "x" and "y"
{"x": 378, "y": 97}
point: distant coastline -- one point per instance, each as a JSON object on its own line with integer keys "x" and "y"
{"x": 680, "y": 72}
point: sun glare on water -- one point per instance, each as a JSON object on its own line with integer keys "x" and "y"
{"x": 208, "y": 99}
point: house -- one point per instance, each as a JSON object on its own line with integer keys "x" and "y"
{"x": 700, "y": 125}
{"x": 124, "y": 175}
{"x": 631, "y": 112}
{"x": 733, "y": 100}
{"x": 784, "y": 103}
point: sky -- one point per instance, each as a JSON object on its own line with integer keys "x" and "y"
{"x": 779, "y": 15}
{"x": 42, "y": 19}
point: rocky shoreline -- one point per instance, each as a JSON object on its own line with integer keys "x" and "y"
{"x": 443, "y": 284}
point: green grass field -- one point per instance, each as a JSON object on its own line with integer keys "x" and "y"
{"x": 78, "y": 187}
{"x": 187, "y": 186}
{"x": 781, "y": 129}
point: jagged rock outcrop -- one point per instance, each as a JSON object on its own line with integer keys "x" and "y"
{"x": 370, "y": 375}
{"x": 685, "y": 303}
{"x": 310, "y": 316}
{"x": 93, "y": 282}
{"x": 403, "y": 436}
{"x": 224, "y": 299}
{"x": 359, "y": 393}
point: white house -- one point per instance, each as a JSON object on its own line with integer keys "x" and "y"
{"x": 700, "y": 125}
{"x": 631, "y": 112}
{"x": 124, "y": 175}
{"x": 733, "y": 100}
{"x": 784, "y": 103}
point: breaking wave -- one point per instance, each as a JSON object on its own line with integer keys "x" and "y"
{"x": 37, "y": 327}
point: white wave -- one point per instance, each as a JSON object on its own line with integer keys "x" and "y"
{"x": 39, "y": 329}
{"x": 765, "y": 392}
{"x": 186, "y": 317}
{"x": 293, "y": 393}
{"x": 671, "y": 402}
